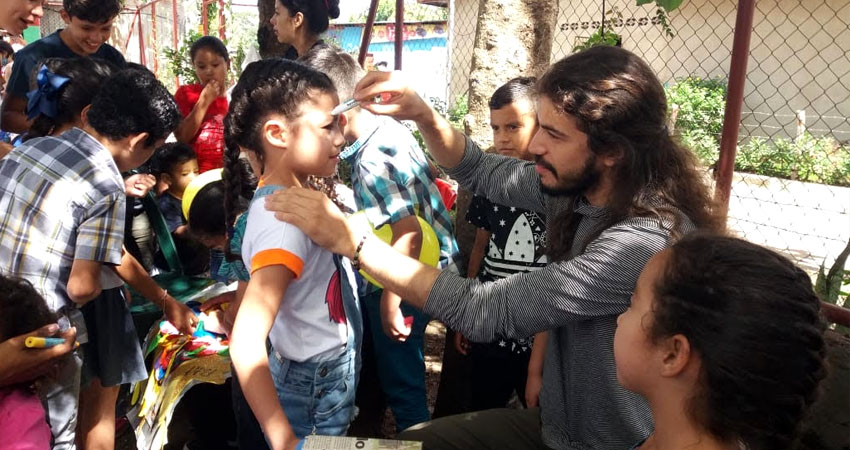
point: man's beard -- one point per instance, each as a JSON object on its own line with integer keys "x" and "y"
{"x": 573, "y": 184}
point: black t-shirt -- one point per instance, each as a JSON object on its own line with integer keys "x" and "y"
{"x": 50, "y": 46}
{"x": 517, "y": 244}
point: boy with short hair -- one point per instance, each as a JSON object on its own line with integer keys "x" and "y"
{"x": 89, "y": 25}
{"x": 393, "y": 185}
{"x": 509, "y": 240}
{"x": 176, "y": 165}
{"x": 62, "y": 199}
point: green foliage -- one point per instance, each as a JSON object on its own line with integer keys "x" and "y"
{"x": 699, "y": 122}
{"x": 178, "y": 61}
{"x": 667, "y": 5}
{"x": 806, "y": 158}
{"x": 242, "y": 29}
{"x": 604, "y": 35}
{"x": 830, "y": 289}
{"x": 413, "y": 12}
{"x": 608, "y": 38}
{"x": 455, "y": 115}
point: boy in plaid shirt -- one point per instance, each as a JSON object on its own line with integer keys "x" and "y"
{"x": 62, "y": 202}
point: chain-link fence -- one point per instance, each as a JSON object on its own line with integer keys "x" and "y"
{"x": 424, "y": 51}
{"x": 793, "y": 166}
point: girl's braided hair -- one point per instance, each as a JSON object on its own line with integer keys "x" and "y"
{"x": 754, "y": 320}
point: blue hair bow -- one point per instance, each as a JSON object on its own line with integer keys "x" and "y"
{"x": 43, "y": 99}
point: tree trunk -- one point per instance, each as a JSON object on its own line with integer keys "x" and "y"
{"x": 269, "y": 46}
{"x": 513, "y": 38}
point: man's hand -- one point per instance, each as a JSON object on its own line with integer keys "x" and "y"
{"x": 314, "y": 214}
{"x": 183, "y": 318}
{"x": 19, "y": 363}
{"x": 139, "y": 185}
{"x": 397, "y": 98}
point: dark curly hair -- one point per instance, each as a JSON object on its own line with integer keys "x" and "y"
{"x": 22, "y": 308}
{"x": 754, "y": 320}
{"x": 209, "y": 42}
{"x": 131, "y": 102}
{"x": 94, "y": 11}
{"x": 317, "y": 13}
{"x": 87, "y": 76}
{"x": 169, "y": 155}
{"x": 619, "y": 103}
{"x": 271, "y": 86}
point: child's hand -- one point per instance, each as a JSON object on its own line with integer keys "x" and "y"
{"x": 461, "y": 344}
{"x": 139, "y": 184}
{"x": 211, "y": 91}
{"x": 19, "y": 364}
{"x": 532, "y": 390}
{"x": 394, "y": 323}
{"x": 183, "y": 318}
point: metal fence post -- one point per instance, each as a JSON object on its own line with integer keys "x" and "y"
{"x": 734, "y": 102}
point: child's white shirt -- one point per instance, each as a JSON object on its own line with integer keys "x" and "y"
{"x": 311, "y": 323}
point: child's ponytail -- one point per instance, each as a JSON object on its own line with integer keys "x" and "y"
{"x": 63, "y": 88}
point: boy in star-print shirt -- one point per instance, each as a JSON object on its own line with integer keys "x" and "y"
{"x": 509, "y": 240}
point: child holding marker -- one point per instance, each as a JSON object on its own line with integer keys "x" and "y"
{"x": 22, "y": 417}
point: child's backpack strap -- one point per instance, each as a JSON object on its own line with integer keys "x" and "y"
{"x": 163, "y": 236}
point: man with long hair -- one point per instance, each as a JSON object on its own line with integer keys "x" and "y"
{"x": 615, "y": 188}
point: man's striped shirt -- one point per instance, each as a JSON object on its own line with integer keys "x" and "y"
{"x": 577, "y": 300}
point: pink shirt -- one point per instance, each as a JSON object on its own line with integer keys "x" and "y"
{"x": 22, "y": 422}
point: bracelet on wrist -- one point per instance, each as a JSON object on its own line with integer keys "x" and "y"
{"x": 162, "y": 297}
{"x": 355, "y": 261}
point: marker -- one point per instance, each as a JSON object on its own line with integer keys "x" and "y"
{"x": 352, "y": 103}
{"x": 42, "y": 342}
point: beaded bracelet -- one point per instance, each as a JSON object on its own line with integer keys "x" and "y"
{"x": 355, "y": 262}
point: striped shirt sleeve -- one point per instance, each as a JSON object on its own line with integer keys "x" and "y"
{"x": 596, "y": 283}
{"x": 101, "y": 233}
{"x": 508, "y": 181}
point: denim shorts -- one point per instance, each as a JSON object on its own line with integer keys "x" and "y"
{"x": 317, "y": 397}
